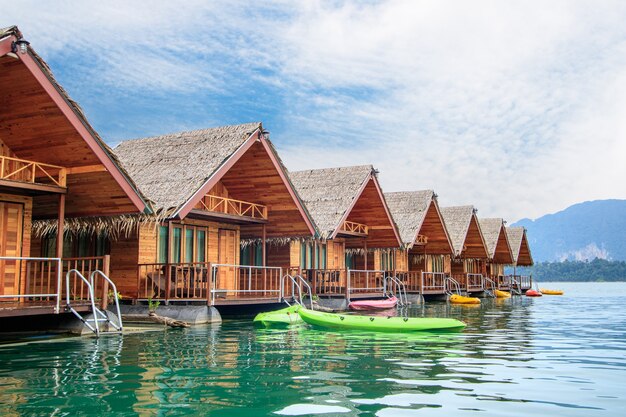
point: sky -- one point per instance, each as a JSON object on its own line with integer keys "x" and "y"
{"x": 518, "y": 108}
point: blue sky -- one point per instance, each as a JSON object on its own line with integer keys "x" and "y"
{"x": 516, "y": 107}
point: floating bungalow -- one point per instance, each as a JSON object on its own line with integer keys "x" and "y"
{"x": 352, "y": 220}
{"x": 226, "y": 214}
{"x": 521, "y": 256}
{"x": 500, "y": 254}
{"x": 54, "y": 169}
{"x": 469, "y": 263}
{"x": 425, "y": 257}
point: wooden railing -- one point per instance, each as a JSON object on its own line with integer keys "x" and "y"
{"x": 525, "y": 281}
{"x": 176, "y": 281}
{"x": 326, "y": 281}
{"x": 365, "y": 282}
{"x": 239, "y": 283}
{"x": 16, "y": 169}
{"x": 504, "y": 282}
{"x": 474, "y": 283}
{"x": 353, "y": 227}
{"x": 225, "y": 205}
{"x": 433, "y": 283}
{"x": 421, "y": 240}
{"x": 412, "y": 280}
{"x": 40, "y": 278}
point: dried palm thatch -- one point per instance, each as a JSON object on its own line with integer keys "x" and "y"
{"x": 408, "y": 209}
{"x": 113, "y": 227}
{"x": 491, "y": 229}
{"x": 14, "y": 31}
{"x": 516, "y": 236}
{"x": 457, "y": 220}
{"x": 328, "y": 193}
{"x": 170, "y": 169}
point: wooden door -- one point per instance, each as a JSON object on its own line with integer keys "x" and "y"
{"x": 11, "y": 220}
{"x": 227, "y": 254}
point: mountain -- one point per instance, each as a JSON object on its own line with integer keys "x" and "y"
{"x": 584, "y": 231}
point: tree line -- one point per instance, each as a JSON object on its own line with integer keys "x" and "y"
{"x": 577, "y": 271}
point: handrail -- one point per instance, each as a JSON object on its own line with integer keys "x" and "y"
{"x": 214, "y": 270}
{"x": 296, "y": 284}
{"x": 56, "y": 295}
{"x": 367, "y": 272}
{"x": 239, "y": 207}
{"x": 32, "y": 166}
{"x": 455, "y": 283}
{"x": 91, "y": 296}
{"x": 401, "y": 289}
{"x": 490, "y": 291}
{"x": 118, "y": 326}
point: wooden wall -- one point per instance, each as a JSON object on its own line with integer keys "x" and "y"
{"x": 13, "y": 229}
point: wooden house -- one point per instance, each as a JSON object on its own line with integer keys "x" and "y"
{"x": 352, "y": 220}
{"x": 469, "y": 263}
{"x": 54, "y": 168}
{"x": 499, "y": 250}
{"x": 426, "y": 253}
{"x": 521, "y": 256}
{"x": 211, "y": 190}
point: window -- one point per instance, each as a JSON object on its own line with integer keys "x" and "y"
{"x": 176, "y": 244}
{"x": 81, "y": 246}
{"x": 162, "y": 251}
{"x": 189, "y": 245}
{"x": 200, "y": 245}
{"x": 349, "y": 261}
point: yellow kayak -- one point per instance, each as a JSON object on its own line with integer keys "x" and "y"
{"x": 546, "y": 291}
{"x": 461, "y": 299}
{"x": 502, "y": 294}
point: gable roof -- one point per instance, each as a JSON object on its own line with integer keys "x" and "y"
{"x": 79, "y": 147}
{"x": 170, "y": 169}
{"x": 517, "y": 238}
{"x": 491, "y": 229}
{"x": 458, "y": 221}
{"x": 328, "y": 193}
{"x": 408, "y": 209}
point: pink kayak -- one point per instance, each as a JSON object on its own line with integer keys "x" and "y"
{"x": 374, "y": 304}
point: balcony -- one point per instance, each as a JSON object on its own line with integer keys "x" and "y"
{"x": 354, "y": 229}
{"x": 228, "y": 208}
{"x": 31, "y": 175}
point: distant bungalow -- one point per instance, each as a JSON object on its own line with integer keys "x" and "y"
{"x": 500, "y": 254}
{"x": 425, "y": 257}
{"x": 351, "y": 219}
{"x": 521, "y": 254}
{"x": 470, "y": 250}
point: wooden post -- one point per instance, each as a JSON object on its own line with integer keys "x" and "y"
{"x": 106, "y": 262}
{"x": 168, "y": 267}
{"x": 60, "y": 225}
{"x": 263, "y": 260}
{"x": 365, "y": 249}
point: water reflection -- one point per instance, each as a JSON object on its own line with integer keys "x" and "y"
{"x": 516, "y": 357}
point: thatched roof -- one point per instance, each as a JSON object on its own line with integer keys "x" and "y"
{"x": 169, "y": 169}
{"x": 516, "y": 235}
{"x": 491, "y": 228}
{"x": 457, "y": 220}
{"x": 408, "y": 209}
{"x": 14, "y": 31}
{"x": 328, "y": 193}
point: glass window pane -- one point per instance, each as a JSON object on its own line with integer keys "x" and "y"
{"x": 188, "y": 245}
{"x": 302, "y": 255}
{"x": 258, "y": 259}
{"x": 201, "y": 246}
{"x": 176, "y": 243}
{"x": 323, "y": 266}
{"x": 162, "y": 255}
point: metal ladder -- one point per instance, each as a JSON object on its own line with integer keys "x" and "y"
{"x": 298, "y": 282}
{"x": 489, "y": 291}
{"x": 98, "y": 315}
{"x": 403, "y": 300}
{"x": 454, "y": 283}
{"x": 515, "y": 283}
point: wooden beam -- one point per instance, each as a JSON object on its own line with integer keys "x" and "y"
{"x": 86, "y": 169}
{"x": 60, "y": 225}
{"x": 231, "y": 218}
{"x": 5, "y": 45}
{"x": 34, "y": 188}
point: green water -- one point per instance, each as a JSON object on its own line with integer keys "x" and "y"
{"x": 560, "y": 356}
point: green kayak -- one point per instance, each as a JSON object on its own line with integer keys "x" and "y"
{"x": 378, "y": 324}
{"x": 279, "y": 318}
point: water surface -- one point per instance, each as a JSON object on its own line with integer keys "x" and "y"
{"x": 562, "y": 356}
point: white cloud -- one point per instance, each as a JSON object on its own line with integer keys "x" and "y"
{"x": 515, "y": 107}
